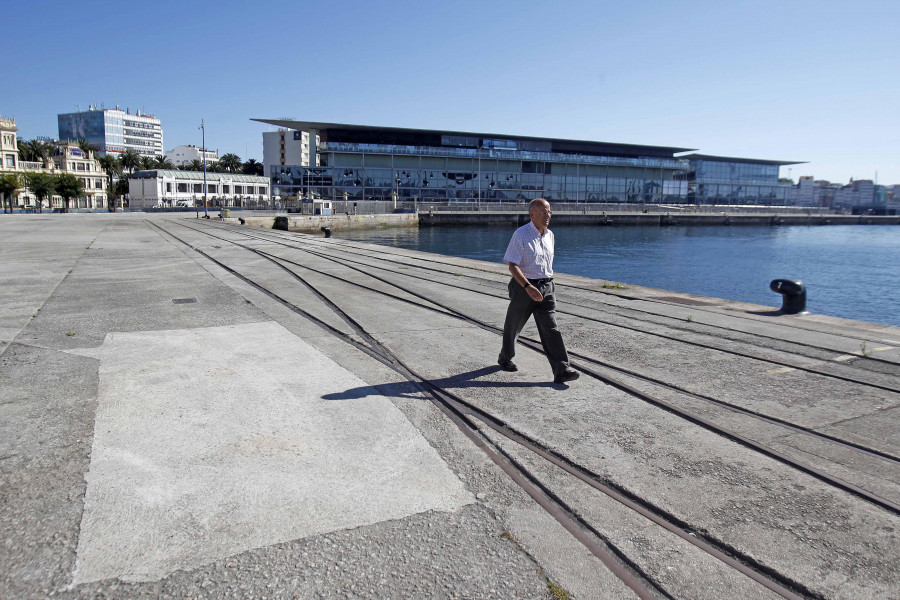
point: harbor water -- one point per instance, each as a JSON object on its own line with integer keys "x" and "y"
{"x": 851, "y": 271}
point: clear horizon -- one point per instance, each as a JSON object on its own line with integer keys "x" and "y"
{"x": 798, "y": 81}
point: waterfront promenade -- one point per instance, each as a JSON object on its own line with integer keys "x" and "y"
{"x": 198, "y": 409}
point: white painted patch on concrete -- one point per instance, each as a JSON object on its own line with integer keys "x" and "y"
{"x": 209, "y": 442}
{"x": 845, "y": 357}
{"x": 780, "y": 370}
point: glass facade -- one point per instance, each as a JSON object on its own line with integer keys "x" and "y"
{"x": 713, "y": 180}
{"x": 365, "y": 172}
{"x": 360, "y": 163}
{"x": 113, "y": 131}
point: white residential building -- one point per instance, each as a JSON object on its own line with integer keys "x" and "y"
{"x": 167, "y": 188}
{"x": 113, "y": 130}
{"x": 185, "y": 155}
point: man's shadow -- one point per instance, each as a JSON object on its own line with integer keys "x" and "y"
{"x": 409, "y": 389}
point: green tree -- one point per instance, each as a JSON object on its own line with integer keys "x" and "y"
{"x": 68, "y": 186}
{"x": 42, "y": 184}
{"x": 9, "y": 183}
{"x": 230, "y": 163}
{"x": 251, "y": 167}
{"x": 195, "y": 165}
{"x": 36, "y": 151}
{"x": 131, "y": 161}
{"x": 121, "y": 189}
{"x": 161, "y": 162}
{"x": 88, "y": 148}
{"x": 112, "y": 166}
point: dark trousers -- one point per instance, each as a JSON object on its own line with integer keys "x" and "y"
{"x": 521, "y": 307}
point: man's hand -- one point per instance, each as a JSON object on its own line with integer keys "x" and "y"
{"x": 534, "y": 293}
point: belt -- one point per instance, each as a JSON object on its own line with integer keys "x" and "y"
{"x": 541, "y": 281}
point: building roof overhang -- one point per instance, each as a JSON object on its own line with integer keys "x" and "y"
{"x": 734, "y": 159}
{"x": 559, "y": 144}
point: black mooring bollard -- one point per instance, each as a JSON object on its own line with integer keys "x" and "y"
{"x": 281, "y": 223}
{"x": 793, "y": 294}
{"x": 326, "y": 231}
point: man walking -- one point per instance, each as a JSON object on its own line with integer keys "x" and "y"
{"x": 531, "y": 291}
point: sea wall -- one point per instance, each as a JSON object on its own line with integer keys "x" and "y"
{"x": 652, "y": 219}
{"x": 314, "y": 223}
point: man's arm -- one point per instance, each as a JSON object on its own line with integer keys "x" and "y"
{"x": 520, "y": 278}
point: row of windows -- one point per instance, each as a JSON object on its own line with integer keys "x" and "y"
{"x": 141, "y": 125}
{"x": 212, "y": 188}
{"x": 130, "y": 132}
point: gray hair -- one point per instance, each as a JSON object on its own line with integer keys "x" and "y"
{"x": 537, "y": 203}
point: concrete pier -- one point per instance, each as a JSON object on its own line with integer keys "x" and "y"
{"x": 182, "y": 417}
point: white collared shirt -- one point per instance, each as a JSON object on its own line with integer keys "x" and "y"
{"x": 531, "y": 251}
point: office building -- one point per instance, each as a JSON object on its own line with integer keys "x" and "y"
{"x": 168, "y": 188}
{"x": 185, "y": 155}
{"x": 114, "y": 130}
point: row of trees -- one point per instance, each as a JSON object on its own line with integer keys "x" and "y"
{"x": 128, "y": 162}
{"x": 43, "y": 185}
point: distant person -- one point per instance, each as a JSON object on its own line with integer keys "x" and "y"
{"x": 532, "y": 291}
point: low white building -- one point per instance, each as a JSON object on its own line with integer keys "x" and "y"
{"x": 185, "y": 155}
{"x": 168, "y": 188}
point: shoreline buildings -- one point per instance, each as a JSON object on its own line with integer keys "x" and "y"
{"x": 186, "y": 154}
{"x": 113, "y": 130}
{"x": 335, "y": 161}
{"x": 169, "y": 188}
{"x": 67, "y": 157}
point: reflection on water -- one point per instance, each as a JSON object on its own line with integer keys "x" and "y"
{"x": 850, "y": 271}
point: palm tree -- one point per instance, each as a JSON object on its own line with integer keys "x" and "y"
{"x": 112, "y": 166}
{"x": 130, "y": 160}
{"x": 161, "y": 162}
{"x": 9, "y": 183}
{"x": 230, "y": 163}
{"x": 37, "y": 151}
{"x": 196, "y": 165}
{"x": 43, "y": 186}
{"x": 86, "y": 147}
{"x": 251, "y": 167}
{"x": 68, "y": 186}
{"x": 147, "y": 163}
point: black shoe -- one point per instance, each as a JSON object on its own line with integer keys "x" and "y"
{"x": 507, "y": 365}
{"x": 567, "y": 375}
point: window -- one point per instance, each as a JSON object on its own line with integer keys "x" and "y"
{"x": 182, "y": 188}
{"x": 98, "y": 184}
{"x": 168, "y": 188}
{"x": 198, "y": 188}
{"x": 10, "y": 160}
{"x": 226, "y": 189}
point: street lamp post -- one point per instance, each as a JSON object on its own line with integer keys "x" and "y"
{"x": 203, "y": 150}
{"x": 480, "y": 148}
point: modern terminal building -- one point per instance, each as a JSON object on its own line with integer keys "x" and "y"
{"x": 363, "y": 163}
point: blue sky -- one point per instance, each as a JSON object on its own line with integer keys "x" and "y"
{"x": 805, "y": 81}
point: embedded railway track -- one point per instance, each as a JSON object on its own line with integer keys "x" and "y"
{"x": 471, "y": 419}
{"x": 862, "y": 360}
{"x": 631, "y": 312}
{"x": 617, "y": 382}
